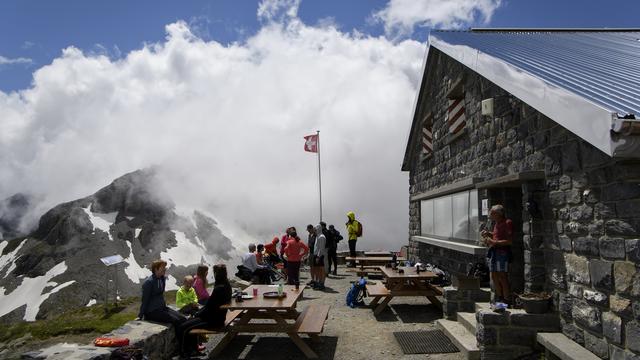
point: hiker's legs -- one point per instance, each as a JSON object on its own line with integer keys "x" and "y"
{"x": 503, "y": 279}
{"x": 497, "y": 286}
{"x": 333, "y": 258}
{"x": 293, "y": 273}
{"x": 352, "y": 251}
{"x": 188, "y": 343}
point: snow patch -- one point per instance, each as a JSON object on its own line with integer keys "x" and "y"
{"x": 101, "y": 221}
{"x": 31, "y": 292}
{"x": 10, "y": 258}
{"x": 171, "y": 283}
{"x": 186, "y": 252}
{"x": 129, "y": 218}
{"x": 92, "y": 302}
{"x": 134, "y": 271}
{"x": 137, "y": 232}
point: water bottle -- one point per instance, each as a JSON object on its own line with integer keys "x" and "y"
{"x": 394, "y": 259}
{"x": 280, "y": 289}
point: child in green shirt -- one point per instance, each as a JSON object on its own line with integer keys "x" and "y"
{"x": 186, "y": 299}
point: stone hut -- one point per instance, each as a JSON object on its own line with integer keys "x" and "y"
{"x": 544, "y": 122}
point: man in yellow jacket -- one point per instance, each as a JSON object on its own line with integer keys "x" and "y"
{"x": 354, "y": 231}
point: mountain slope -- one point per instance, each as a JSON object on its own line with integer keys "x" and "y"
{"x": 58, "y": 266}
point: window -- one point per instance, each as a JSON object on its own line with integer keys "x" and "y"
{"x": 453, "y": 216}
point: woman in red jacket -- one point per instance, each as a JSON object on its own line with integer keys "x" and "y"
{"x": 294, "y": 252}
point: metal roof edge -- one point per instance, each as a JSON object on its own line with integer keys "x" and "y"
{"x": 516, "y": 29}
{"x": 561, "y": 105}
{"x": 416, "y": 103}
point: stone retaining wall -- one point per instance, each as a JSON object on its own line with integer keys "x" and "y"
{"x": 462, "y": 300}
{"x": 157, "y": 341}
{"x": 512, "y": 334}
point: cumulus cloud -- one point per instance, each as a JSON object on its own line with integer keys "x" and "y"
{"x": 226, "y": 125}
{"x": 11, "y": 61}
{"x": 400, "y": 17}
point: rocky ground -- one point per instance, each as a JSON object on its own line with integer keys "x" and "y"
{"x": 348, "y": 333}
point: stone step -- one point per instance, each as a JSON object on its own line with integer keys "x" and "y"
{"x": 483, "y": 306}
{"x": 563, "y": 347}
{"x": 461, "y": 337}
{"x": 468, "y": 320}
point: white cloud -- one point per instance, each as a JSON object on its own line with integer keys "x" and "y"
{"x": 12, "y": 61}
{"x": 400, "y": 17}
{"x": 226, "y": 123}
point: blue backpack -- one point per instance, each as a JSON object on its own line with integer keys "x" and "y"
{"x": 355, "y": 295}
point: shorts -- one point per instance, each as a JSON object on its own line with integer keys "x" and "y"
{"x": 498, "y": 261}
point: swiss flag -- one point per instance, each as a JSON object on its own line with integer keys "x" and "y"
{"x": 311, "y": 143}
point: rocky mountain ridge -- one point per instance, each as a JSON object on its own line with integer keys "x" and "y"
{"x": 58, "y": 265}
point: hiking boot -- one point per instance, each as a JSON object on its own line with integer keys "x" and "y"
{"x": 311, "y": 283}
{"x": 320, "y": 287}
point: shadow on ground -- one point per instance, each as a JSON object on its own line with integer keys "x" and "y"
{"x": 276, "y": 348}
{"x": 410, "y": 313}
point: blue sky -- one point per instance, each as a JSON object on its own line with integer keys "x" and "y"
{"x": 39, "y": 30}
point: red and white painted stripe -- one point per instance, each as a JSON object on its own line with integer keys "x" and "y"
{"x": 455, "y": 116}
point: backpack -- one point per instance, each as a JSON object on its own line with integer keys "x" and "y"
{"x": 356, "y": 294}
{"x": 359, "y": 229}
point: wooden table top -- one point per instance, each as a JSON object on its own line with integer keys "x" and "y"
{"x": 378, "y": 253}
{"x": 260, "y": 302}
{"x": 409, "y": 272}
{"x": 375, "y": 258}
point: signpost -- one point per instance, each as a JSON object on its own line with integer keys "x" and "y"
{"x": 112, "y": 260}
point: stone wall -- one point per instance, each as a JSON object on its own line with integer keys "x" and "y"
{"x": 581, "y": 239}
{"x": 512, "y": 334}
{"x": 157, "y": 342}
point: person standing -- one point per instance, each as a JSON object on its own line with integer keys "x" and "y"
{"x": 294, "y": 252}
{"x": 319, "y": 258}
{"x": 311, "y": 241}
{"x": 333, "y": 249}
{"x": 354, "y": 231}
{"x": 499, "y": 254}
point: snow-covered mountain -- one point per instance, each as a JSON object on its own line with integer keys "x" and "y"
{"x": 58, "y": 265}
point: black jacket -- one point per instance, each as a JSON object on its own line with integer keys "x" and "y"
{"x": 211, "y": 312}
{"x": 152, "y": 295}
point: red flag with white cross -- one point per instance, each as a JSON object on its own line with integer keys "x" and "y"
{"x": 311, "y": 143}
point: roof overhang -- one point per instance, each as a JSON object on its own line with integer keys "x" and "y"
{"x": 593, "y": 123}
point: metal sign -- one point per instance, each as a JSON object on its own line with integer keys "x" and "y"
{"x": 112, "y": 260}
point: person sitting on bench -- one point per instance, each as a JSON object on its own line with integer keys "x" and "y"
{"x": 186, "y": 298}
{"x": 211, "y": 316}
{"x": 250, "y": 262}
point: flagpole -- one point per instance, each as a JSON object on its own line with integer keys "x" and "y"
{"x": 319, "y": 175}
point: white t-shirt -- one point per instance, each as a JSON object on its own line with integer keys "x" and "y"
{"x": 250, "y": 262}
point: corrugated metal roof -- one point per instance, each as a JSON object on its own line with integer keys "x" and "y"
{"x": 601, "y": 66}
{"x": 584, "y": 79}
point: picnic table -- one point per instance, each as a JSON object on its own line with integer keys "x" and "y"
{"x": 373, "y": 260}
{"x": 283, "y": 316}
{"x": 409, "y": 283}
{"x": 377, "y": 253}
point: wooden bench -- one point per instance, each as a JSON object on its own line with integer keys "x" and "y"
{"x": 231, "y": 316}
{"x": 559, "y": 346}
{"x": 311, "y": 321}
{"x": 377, "y": 290}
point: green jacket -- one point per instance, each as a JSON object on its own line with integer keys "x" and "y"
{"x": 352, "y": 226}
{"x": 185, "y": 297}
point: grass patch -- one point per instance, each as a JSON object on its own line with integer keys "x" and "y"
{"x": 94, "y": 319}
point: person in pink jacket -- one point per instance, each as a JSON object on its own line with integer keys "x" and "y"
{"x": 294, "y": 252}
{"x": 200, "y": 284}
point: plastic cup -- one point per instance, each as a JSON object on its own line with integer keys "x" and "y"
{"x": 255, "y": 291}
